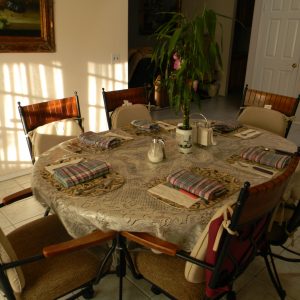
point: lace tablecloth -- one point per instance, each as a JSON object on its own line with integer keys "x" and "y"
{"x": 130, "y": 206}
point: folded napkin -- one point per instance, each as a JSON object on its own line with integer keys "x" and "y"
{"x": 80, "y": 172}
{"x": 265, "y": 157}
{"x": 145, "y": 125}
{"x": 248, "y": 134}
{"x": 99, "y": 140}
{"x": 226, "y": 127}
{"x": 201, "y": 186}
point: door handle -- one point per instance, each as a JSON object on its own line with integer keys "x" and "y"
{"x": 294, "y": 65}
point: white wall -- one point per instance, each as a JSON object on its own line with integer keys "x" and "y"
{"x": 86, "y": 33}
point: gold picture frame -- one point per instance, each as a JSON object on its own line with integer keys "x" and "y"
{"x": 27, "y": 26}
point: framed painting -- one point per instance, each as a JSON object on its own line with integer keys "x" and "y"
{"x": 151, "y": 14}
{"x": 26, "y": 26}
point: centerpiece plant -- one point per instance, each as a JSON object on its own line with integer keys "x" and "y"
{"x": 186, "y": 55}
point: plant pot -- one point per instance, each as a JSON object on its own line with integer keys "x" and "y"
{"x": 160, "y": 93}
{"x": 184, "y": 139}
{"x": 213, "y": 90}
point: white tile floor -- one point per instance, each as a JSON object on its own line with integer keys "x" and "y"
{"x": 253, "y": 284}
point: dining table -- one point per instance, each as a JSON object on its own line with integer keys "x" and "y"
{"x": 121, "y": 200}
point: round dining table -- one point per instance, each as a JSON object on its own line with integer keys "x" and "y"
{"x": 129, "y": 206}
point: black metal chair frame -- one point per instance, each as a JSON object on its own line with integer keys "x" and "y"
{"x": 287, "y": 229}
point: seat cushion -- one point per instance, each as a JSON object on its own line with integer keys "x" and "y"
{"x": 267, "y": 119}
{"x": 51, "y": 134}
{"x": 123, "y": 115}
{"x": 52, "y": 277}
{"x": 7, "y": 254}
{"x": 167, "y": 273}
{"x": 192, "y": 272}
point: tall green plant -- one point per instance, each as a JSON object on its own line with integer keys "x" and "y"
{"x": 185, "y": 54}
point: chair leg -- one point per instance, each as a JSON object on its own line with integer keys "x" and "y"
{"x": 274, "y": 275}
{"x": 121, "y": 265}
{"x": 231, "y": 295}
{"x": 88, "y": 292}
{"x": 5, "y": 286}
{"x": 155, "y": 290}
{"x": 291, "y": 251}
{"x": 104, "y": 262}
{"x": 46, "y": 213}
{"x": 130, "y": 263}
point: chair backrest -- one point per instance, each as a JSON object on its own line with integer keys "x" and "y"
{"x": 36, "y": 115}
{"x": 246, "y": 232}
{"x": 123, "y": 115}
{"x": 114, "y": 99}
{"x": 283, "y": 104}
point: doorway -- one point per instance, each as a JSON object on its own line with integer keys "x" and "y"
{"x": 240, "y": 46}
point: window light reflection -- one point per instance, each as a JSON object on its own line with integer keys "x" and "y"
{"x": 43, "y": 81}
{"x": 110, "y": 77}
{"x": 58, "y": 80}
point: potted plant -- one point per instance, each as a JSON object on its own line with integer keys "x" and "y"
{"x": 186, "y": 54}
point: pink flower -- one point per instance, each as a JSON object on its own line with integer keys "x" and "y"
{"x": 177, "y": 61}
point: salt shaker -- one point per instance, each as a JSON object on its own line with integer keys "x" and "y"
{"x": 156, "y": 151}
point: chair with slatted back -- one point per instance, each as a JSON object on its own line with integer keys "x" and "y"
{"x": 41, "y": 123}
{"x": 49, "y": 123}
{"x": 115, "y": 99}
{"x": 277, "y": 118}
{"x": 236, "y": 234}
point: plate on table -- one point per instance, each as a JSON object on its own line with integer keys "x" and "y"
{"x": 145, "y": 125}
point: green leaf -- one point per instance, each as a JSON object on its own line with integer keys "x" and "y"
{"x": 173, "y": 40}
{"x": 210, "y": 20}
{"x": 200, "y": 54}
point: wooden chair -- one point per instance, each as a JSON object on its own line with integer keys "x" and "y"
{"x": 284, "y": 105}
{"x": 36, "y": 115}
{"x": 231, "y": 241}
{"x": 40, "y": 260}
{"x": 114, "y": 99}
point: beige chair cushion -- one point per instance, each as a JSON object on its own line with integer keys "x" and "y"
{"x": 192, "y": 272}
{"x": 267, "y": 119}
{"x": 7, "y": 254}
{"x": 123, "y": 115}
{"x": 51, "y": 134}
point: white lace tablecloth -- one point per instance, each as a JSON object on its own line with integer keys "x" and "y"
{"x": 131, "y": 207}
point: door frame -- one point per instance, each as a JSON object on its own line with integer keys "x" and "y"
{"x": 258, "y": 6}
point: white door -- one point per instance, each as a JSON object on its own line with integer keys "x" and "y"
{"x": 277, "y": 55}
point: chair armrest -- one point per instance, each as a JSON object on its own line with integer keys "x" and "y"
{"x": 152, "y": 242}
{"x": 16, "y": 196}
{"x": 92, "y": 239}
{"x": 165, "y": 247}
